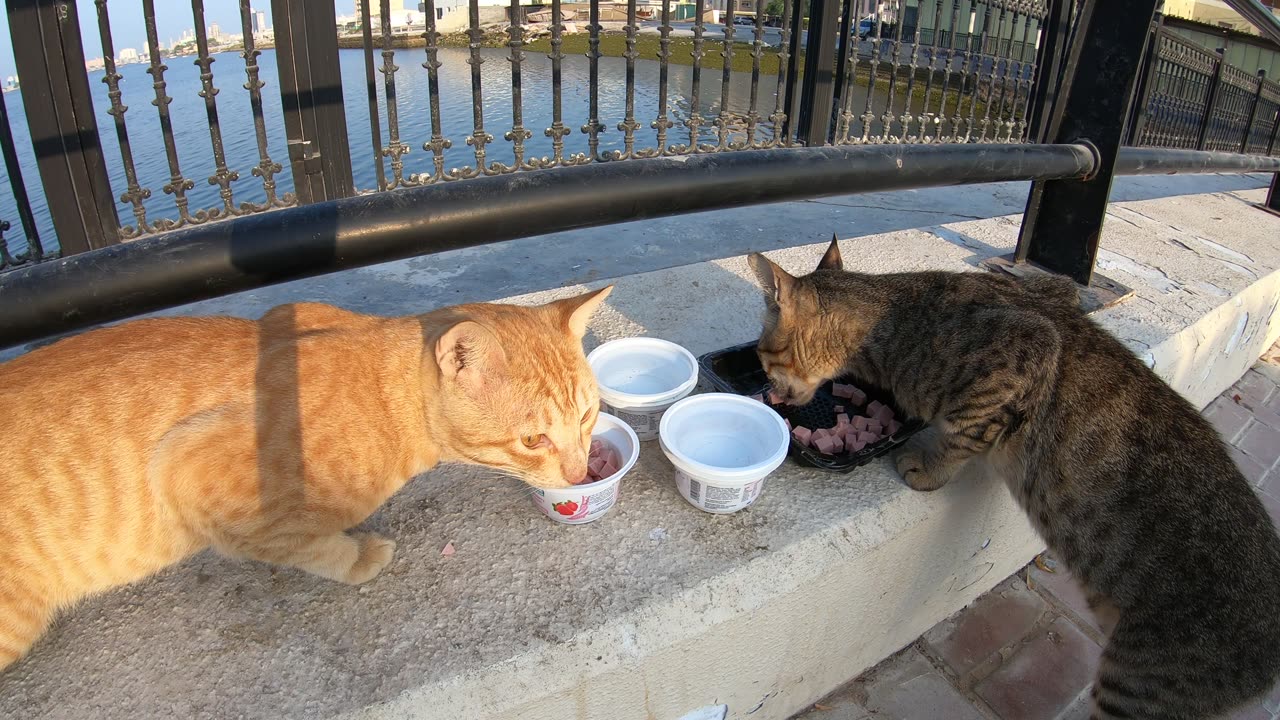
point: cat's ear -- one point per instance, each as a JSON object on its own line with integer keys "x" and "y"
{"x": 577, "y": 311}
{"x": 775, "y": 281}
{"x": 832, "y": 260}
{"x": 468, "y": 351}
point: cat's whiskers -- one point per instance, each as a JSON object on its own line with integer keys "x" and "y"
{"x": 522, "y": 487}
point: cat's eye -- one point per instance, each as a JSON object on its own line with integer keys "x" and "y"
{"x": 532, "y": 441}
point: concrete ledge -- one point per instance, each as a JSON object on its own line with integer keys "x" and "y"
{"x": 658, "y": 610}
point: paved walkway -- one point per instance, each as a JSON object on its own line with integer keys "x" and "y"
{"x": 1027, "y": 650}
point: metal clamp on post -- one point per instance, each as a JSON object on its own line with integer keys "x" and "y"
{"x": 1097, "y": 158}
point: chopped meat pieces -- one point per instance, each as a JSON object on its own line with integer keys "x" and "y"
{"x": 602, "y": 461}
{"x": 851, "y": 432}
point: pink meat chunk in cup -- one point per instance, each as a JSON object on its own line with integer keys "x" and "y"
{"x": 602, "y": 461}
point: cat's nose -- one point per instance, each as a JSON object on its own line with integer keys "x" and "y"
{"x": 574, "y": 471}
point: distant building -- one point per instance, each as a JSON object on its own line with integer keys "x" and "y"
{"x": 400, "y": 16}
{"x": 91, "y": 64}
{"x": 215, "y": 32}
{"x": 128, "y": 56}
{"x": 1214, "y": 12}
{"x": 259, "y": 22}
{"x": 453, "y": 15}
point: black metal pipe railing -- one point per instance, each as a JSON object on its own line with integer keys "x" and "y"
{"x": 982, "y": 72}
{"x": 220, "y": 258}
{"x": 216, "y": 259}
{"x": 1164, "y": 161}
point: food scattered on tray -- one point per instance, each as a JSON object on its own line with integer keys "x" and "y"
{"x": 848, "y": 433}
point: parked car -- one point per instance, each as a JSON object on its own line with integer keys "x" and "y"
{"x": 743, "y": 20}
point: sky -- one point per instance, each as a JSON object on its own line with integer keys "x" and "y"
{"x": 128, "y": 30}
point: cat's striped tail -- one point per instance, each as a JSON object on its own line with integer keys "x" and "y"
{"x": 1147, "y": 673}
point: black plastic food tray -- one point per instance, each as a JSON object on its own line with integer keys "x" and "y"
{"x": 737, "y": 370}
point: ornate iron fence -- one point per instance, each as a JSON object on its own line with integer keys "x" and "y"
{"x": 961, "y": 93}
{"x": 31, "y": 249}
{"x": 959, "y": 85}
{"x": 955, "y": 71}
{"x": 761, "y": 124}
{"x": 178, "y": 184}
{"x": 466, "y": 91}
{"x": 1192, "y": 99}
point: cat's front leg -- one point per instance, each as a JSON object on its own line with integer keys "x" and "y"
{"x": 918, "y": 461}
{"x": 351, "y": 558}
{"x": 933, "y": 456}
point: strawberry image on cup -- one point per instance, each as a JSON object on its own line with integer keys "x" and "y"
{"x": 568, "y": 507}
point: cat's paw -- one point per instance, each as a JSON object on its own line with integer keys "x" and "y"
{"x": 375, "y": 554}
{"x": 911, "y": 466}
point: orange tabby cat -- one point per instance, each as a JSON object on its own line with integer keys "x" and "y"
{"x": 126, "y": 449}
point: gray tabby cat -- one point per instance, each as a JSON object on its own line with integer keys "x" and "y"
{"x": 1120, "y": 475}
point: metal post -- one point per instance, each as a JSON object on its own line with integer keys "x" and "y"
{"x": 1054, "y": 33}
{"x": 1051, "y": 85}
{"x": 1273, "y": 195}
{"x": 35, "y": 250}
{"x": 817, "y": 95}
{"x": 1202, "y": 141}
{"x": 1142, "y": 91}
{"x": 792, "y": 100}
{"x": 1258, "y": 16}
{"x": 1062, "y": 225}
{"x": 1253, "y": 111}
{"x": 1275, "y": 131}
{"x": 311, "y": 95}
{"x": 64, "y": 129}
{"x": 848, "y": 44}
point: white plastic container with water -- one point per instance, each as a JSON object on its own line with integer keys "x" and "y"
{"x": 639, "y": 378}
{"x": 723, "y": 447}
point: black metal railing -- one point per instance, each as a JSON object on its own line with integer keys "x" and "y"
{"x": 760, "y": 124}
{"x": 639, "y": 85}
{"x": 503, "y": 99}
{"x": 30, "y": 250}
{"x": 178, "y": 186}
{"x": 1192, "y": 98}
{"x": 944, "y": 85}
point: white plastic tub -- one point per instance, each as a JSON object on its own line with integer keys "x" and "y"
{"x": 639, "y": 378}
{"x": 723, "y": 447}
{"x": 583, "y": 503}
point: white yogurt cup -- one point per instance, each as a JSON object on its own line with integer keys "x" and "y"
{"x": 639, "y": 378}
{"x": 723, "y": 446}
{"x": 583, "y": 503}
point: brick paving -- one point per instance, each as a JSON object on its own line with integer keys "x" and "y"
{"x": 1027, "y": 649}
